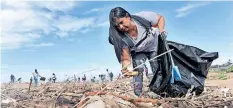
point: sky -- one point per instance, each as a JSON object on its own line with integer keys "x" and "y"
{"x": 71, "y": 37}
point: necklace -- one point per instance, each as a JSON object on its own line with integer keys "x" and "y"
{"x": 135, "y": 38}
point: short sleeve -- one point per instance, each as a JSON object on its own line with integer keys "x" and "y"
{"x": 150, "y": 16}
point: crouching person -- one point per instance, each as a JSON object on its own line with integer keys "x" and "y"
{"x": 135, "y": 39}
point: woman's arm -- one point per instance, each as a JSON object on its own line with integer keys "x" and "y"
{"x": 125, "y": 60}
{"x": 161, "y": 23}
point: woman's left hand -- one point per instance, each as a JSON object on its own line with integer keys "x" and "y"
{"x": 163, "y": 31}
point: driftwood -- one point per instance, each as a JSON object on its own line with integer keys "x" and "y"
{"x": 146, "y": 100}
{"x": 73, "y": 94}
{"x": 83, "y": 102}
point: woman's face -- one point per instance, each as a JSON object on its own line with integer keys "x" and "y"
{"x": 124, "y": 24}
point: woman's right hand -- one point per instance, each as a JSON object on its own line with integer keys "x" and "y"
{"x": 126, "y": 69}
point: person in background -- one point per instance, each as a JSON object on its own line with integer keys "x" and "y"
{"x": 78, "y": 79}
{"x": 84, "y": 78}
{"x": 36, "y": 76}
{"x": 93, "y": 79}
{"x": 110, "y": 75}
{"x": 75, "y": 79}
{"x": 54, "y": 78}
{"x": 12, "y": 78}
{"x": 102, "y": 77}
{"x": 50, "y": 80}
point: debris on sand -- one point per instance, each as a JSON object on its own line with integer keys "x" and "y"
{"x": 117, "y": 95}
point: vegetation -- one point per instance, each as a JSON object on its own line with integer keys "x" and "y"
{"x": 229, "y": 69}
{"x": 222, "y": 76}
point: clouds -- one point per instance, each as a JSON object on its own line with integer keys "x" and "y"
{"x": 57, "y": 6}
{"x": 30, "y": 25}
{"x": 97, "y": 10}
{"x": 42, "y": 44}
{"x": 18, "y": 26}
{"x": 4, "y": 66}
{"x": 189, "y": 8}
{"x": 105, "y": 23}
{"x": 24, "y": 22}
{"x": 66, "y": 24}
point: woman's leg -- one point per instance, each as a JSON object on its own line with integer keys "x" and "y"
{"x": 138, "y": 59}
{"x": 154, "y": 67}
{"x": 35, "y": 81}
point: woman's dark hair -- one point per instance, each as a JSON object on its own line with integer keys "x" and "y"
{"x": 117, "y": 12}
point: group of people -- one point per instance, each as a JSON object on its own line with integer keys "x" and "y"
{"x": 53, "y": 79}
{"x": 103, "y": 77}
{"x": 12, "y": 78}
{"x": 78, "y": 79}
{"x": 36, "y": 76}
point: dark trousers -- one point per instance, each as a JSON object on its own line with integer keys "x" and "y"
{"x": 54, "y": 80}
{"x": 139, "y": 58}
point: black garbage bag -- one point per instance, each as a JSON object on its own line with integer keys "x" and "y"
{"x": 42, "y": 78}
{"x": 193, "y": 64}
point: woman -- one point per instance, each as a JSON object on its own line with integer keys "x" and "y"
{"x": 135, "y": 39}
